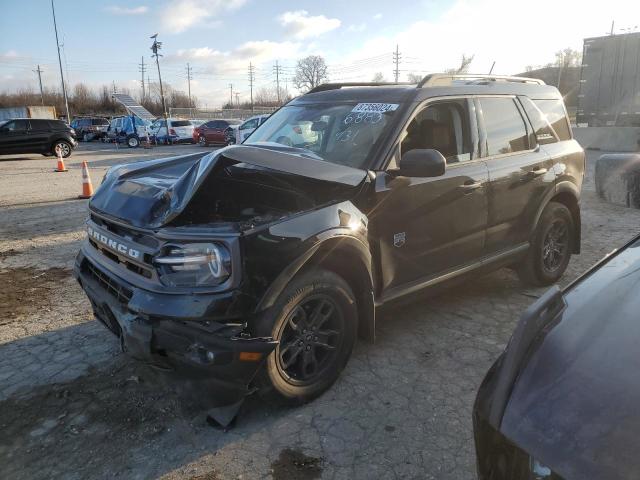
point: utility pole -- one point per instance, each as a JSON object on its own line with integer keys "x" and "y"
{"x": 114, "y": 86}
{"x": 189, "y": 77}
{"x": 237, "y": 99}
{"x": 142, "y": 69}
{"x": 154, "y": 48}
{"x": 39, "y": 72}
{"x": 278, "y": 70}
{"x": 396, "y": 61}
{"x": 252, "y": 77}
{"x": 64, "y": 89}
{"x": 231, "y": 94}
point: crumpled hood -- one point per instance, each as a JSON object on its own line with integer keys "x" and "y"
{"x": 151, "y": 194}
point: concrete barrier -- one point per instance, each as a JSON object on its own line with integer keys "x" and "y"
{"x": 617, "y": 179}
{"x": 611, "y": 139}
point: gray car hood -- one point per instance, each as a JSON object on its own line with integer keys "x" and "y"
{"x": 151, "y": 194}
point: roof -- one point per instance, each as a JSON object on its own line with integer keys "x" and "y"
{"x": 431, "y": 86}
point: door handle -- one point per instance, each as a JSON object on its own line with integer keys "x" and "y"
{"x": 469, "y": 186}
{"x": 538, "y": 171}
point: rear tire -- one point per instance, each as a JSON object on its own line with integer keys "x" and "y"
{"x": 65, "y": 148}
{"x": 133, "y": 141}
{"x": 551, "y": 247}
{"x": 315, "y": 322}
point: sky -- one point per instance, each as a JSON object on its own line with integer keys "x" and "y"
{"x": 104, "y": 41}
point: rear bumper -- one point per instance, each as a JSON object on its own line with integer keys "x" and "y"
{"x": 199, "y": 348}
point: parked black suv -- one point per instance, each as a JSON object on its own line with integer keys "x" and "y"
{"x": 31, "y": 135}
{"x": 270, "y": 257}
{"x": 90, "y": 128}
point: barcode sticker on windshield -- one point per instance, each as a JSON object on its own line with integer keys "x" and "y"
{"x": 375, "y": 107}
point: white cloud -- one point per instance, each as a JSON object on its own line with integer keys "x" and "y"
{"x": 180, "y": 15}
{"x": 116, "y": 10}
{"x": 300, "y": 25}
{"x": 360, "y": 27}
{"x": 377, "y": 16}
{"x": 9, "y": 54}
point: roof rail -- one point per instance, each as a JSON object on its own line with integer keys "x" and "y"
{"x": 438, "y": 79}
{"x": 337, "y": 86}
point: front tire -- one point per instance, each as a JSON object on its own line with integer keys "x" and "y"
{"x": 550, "y": 250}
{"x": 315, "y": 322}
{"x": 202, "y": 141}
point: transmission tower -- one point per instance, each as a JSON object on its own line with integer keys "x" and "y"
{"x": 396, "y": 61}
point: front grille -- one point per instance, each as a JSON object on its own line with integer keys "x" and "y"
{"x": 135, "y": 268}
{"x": 122, "y": 294}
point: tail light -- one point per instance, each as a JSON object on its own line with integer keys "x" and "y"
{"x": 172, "y": 131}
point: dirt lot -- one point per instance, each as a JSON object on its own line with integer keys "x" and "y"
{"x": 71, "y": 406}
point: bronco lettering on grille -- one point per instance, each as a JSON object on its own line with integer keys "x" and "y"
{"x": 113, "y": 244}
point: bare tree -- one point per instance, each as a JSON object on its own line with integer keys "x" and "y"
{"x": 465, "y": 62}
{"x": 568, "y": 57}
{"x": 414, "y": 77}
{"x": 378, "y": 77}
{"x": 311, "y": 71}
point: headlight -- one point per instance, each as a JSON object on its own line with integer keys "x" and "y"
{"x": 193, "y": 265}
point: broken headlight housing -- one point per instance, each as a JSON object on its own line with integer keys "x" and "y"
{"x": 193, "y": 265}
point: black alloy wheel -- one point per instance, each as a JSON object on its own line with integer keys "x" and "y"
{"x": 310, "y": 339}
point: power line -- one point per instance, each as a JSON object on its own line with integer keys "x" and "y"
{"x": 142, "y": 70}
{"x": 252, "y": 77}
{"x": 396, "y": 61}
{"x": 39, "y": 72}
{"x": 64, "y": 89}
{"x": 154, "y": 48}
{"x": 189, "y": 77}
{"x": 278, "y": 70}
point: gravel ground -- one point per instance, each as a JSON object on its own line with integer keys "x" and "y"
{"x": 71, "y": 406}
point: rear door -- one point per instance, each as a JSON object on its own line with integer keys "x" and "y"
{"x": 183, "y": 129}
{"x": 215, "y": 134}
{"x": 520, "y": 172}
{"x": 40, "y": 134}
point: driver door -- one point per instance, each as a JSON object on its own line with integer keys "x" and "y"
{"x": 428, "y": 227}
{"x": 14, "y": 136}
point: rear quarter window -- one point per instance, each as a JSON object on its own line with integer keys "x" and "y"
{"x": 556, "y": 116}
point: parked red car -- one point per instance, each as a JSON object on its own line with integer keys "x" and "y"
{"x": 213, "y": 132}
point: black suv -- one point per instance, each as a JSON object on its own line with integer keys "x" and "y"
{"x": 30, "y": 135}
{"x": 90, "y": 128}
{"x": 259, "y": 264}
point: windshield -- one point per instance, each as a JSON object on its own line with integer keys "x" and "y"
{"x": 344, "y": 134}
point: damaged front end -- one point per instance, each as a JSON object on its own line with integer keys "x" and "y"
{"x": 163, "y": 261}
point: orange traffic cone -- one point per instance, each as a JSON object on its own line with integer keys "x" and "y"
{"x": 61, "y": 167}
{"x": 87, "y": 187}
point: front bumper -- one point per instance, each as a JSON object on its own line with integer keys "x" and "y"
{"x": 194, "y": 348}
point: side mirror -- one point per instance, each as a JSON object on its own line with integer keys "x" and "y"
{"x": 422, "y": 163}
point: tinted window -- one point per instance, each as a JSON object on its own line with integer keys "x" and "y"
{"x": 39, "y": 124}
{"x": 442, "y": 126}
{"x": 505, "y": 128}
{"x": 180, "y": 123}
{"x": 543, "y": 132}
{"x": 100, "y": 121}
{"x": 556, "y": 116}
{"x": 15, "y": 125}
